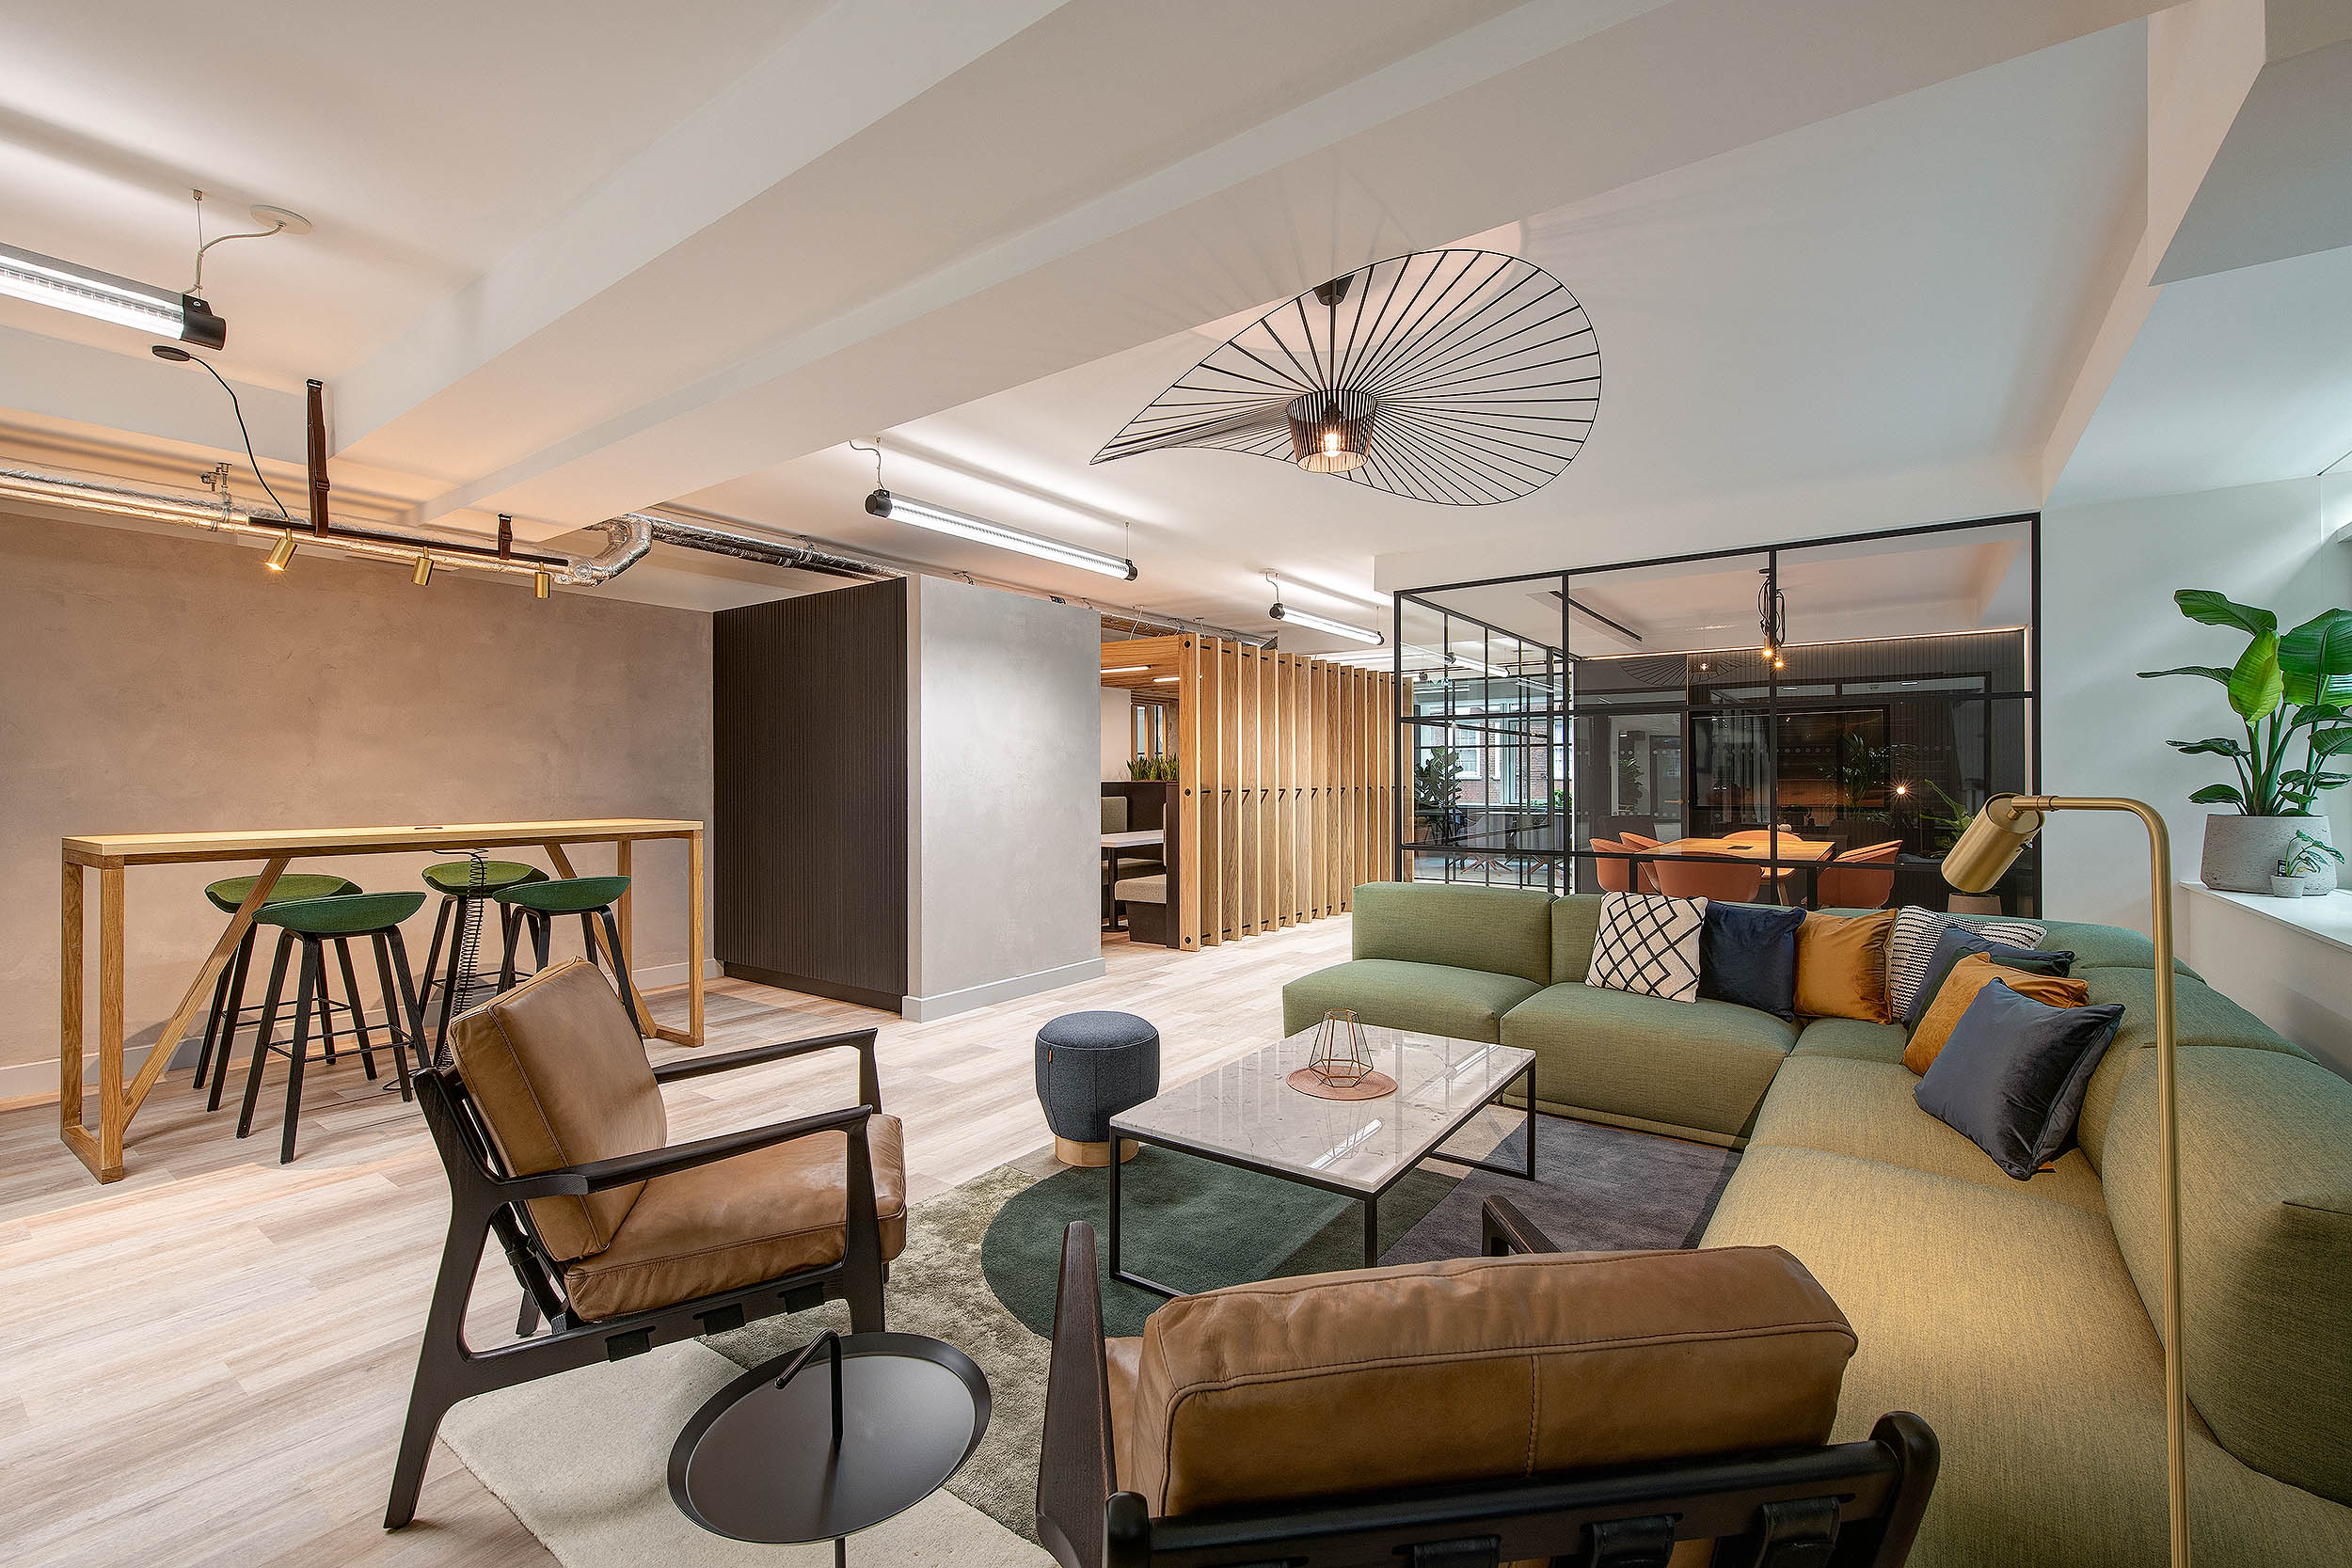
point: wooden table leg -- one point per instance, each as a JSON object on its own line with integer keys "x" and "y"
{"x": 563, "y": 869}
{"x": 69, "y": 988}
{"x": 622, "y": 860}
{"x": 112, "y": 1120}
{"x": 694, "y": 937}
{"x": 200, "y": 988}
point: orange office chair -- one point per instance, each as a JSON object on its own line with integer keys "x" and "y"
{"x": 1704, "y": 877}
{"x": 1859, "y": 878}
{"x": 1638, "y": 843}
{"x": 1609, "y": 871}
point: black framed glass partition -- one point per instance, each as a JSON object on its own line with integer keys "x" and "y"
{"x": 1810, "y": 722}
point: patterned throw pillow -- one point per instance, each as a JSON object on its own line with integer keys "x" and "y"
{"x": 1911, "y": 948}
{"x": 1649, "y": 945}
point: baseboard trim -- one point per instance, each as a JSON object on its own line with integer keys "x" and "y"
{"x": 922, "y": 1009}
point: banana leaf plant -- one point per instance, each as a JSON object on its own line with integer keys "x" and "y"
{"x": 2288, "y": 690}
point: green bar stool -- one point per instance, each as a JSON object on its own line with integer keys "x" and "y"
{"x": 313, "y": 922}
{"x": 465, "y": 886}
{"x": 592, "y": 898}
{"x": 229, "y": 1009}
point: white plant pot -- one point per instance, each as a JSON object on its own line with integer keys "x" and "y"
{"x": 2242, "y": 852}
{"x": 2286, "y": 887}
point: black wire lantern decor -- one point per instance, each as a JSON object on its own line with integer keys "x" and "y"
{"x": 1458, "y": 378}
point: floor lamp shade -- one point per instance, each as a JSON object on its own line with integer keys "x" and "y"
{"x": 1989, "y": 847}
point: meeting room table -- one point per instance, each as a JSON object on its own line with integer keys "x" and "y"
{"x": 111, "y": 854}
{"x": 1803, "y": 857}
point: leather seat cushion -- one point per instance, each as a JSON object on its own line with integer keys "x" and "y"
{"x": 560, "y": 1076}
{"x": 1479, "y": 1369}
{"x": 733, "y": 1223}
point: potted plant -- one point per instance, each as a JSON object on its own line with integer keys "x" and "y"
{"x": 2307, "y": 867}
{"x": 2289, "y": 692}
{"x": 1438, "y": 795}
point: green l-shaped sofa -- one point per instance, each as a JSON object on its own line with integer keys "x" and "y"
{"x": 2017, "y": 1317}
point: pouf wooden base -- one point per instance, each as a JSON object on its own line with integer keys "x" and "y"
{"x": 1372, "y": 1085}
{"x": 1093, "y": 1156}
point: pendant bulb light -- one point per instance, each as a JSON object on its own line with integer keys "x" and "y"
{"x": 539, "y": 585}
{"x": 280, "y": 552}
{"x": 423, "y": 573}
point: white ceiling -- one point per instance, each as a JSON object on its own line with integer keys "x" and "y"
{"x": 1850, "y": 264}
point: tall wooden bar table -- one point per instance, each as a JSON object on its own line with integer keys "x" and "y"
{"x": 100, "y": 1148}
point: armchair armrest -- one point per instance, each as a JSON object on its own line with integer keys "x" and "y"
{"x": 598, "y": 1176}
{"x": 1508, "y": 1231}
{"x": 1075, "y": 1479}
{"x": 860, "y": 1040}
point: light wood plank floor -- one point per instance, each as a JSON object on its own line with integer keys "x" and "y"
{"x": 207, "y": 1362}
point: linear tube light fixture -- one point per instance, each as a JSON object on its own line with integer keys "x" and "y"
{"x": 1281, "y": 611}
{"x": 1127, "y": 670}
{"x": 45, "y": 280}
{"x": 906, "y": 508}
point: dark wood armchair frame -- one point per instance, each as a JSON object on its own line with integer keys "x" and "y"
{"x": 1843, "y": 1506}
{"x": 485, "y": 1201}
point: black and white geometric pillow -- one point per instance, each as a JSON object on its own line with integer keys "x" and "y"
{"x": 1911, "y": 947}
{"x": 1649, "y": 945}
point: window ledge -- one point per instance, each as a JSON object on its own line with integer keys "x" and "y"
{"x": 2327, "y": 919}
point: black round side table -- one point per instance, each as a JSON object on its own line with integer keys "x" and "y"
{"x": 833, "y": 1438}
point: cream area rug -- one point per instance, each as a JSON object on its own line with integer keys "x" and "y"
{"x": 583, "y": 1461}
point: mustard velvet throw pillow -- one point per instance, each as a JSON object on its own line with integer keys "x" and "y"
{"x": 1969, "y": 977}
{"x": 1841, "y": 966}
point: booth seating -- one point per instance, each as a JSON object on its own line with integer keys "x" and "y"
{"x": 1142, "y": 902}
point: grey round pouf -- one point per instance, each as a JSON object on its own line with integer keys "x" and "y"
{"x": 1089, "y": 1068}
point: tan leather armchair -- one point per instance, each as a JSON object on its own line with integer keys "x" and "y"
{"x": 1647, "y": 1408}
{"x": 551, "y": 1125}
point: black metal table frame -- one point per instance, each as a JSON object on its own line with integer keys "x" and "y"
{"x": 1371, "y": 1200}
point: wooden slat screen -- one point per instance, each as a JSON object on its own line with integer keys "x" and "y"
{"x": 1283, "y": 788}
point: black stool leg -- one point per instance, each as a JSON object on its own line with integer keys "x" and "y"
{"x": 314, "y": 975}
{"x": 449, "y": 982}
{"x": 433, "y": 957}
{"x": 620, "y": 967}
{"x": 391, "y": 1012}
{"x": 359, "y": 1015}
{"x": 212, "y": 1025}
{"x": 542, "y": 931}
{"x": 510, "y": 928}
{"x": 415, "y": 1005}
{"x": 261, "y": 1039}
{"x": 235, "y": 1018}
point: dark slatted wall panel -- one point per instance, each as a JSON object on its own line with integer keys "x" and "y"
{"x": 810, "y": 828}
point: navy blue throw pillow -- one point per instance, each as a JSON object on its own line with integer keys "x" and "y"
{"x": 2012, "y": 1075}
{"x": 1956, "y": 942}
{"x": 1748, "y": 955}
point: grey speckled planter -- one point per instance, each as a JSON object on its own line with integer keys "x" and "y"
{"x": 2242, "y": 852}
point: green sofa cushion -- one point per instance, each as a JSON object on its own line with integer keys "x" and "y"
{"x": 1433, "y": 999}
{"x": 1865, "y": 1109}
{"x": 2202, "y": 1016}
{"x": 1701, "y": 1064}
{"x": 1575, "y": 926}
{"x": 1503, "y": 931}
{"x": 1856, "y": 1038}
{"x": 2266, "y": 1250}
{"x": 2105, "y": 947}
{"x": 2014, "y": 1329}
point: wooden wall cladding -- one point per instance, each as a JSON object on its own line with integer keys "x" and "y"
{"x": 1285, "y": 779}
{"x": 809, "y": 810}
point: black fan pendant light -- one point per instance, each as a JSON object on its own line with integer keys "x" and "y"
{"x": 1459, "y": 377}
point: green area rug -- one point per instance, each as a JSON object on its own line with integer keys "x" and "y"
{"x": 1189, "y": 1223}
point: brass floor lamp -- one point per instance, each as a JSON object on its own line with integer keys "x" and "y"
{"x": 2001, "y": 831}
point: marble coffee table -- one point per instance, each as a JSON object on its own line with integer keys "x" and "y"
{"x": 1244, "y": 1113}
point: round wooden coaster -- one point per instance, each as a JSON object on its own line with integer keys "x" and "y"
{"x": 1373, "y": 1085}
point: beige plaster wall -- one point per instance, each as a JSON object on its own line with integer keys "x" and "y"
{"x": 158, "y": 683}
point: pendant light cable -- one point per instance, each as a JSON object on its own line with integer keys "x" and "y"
{"x": 172, "y": 352}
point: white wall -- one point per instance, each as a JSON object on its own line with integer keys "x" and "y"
{"x": 1004, "y": 717}
{"x": 2108, "y": 577}
{"x": 1119, "y": 732}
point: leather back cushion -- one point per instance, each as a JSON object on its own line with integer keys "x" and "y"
{"x": 561, "y": 1077}
{"x": 2266, "y": 1249}
{"x": 1501, "y": 930}
{"x": 1480, "y": 1368}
